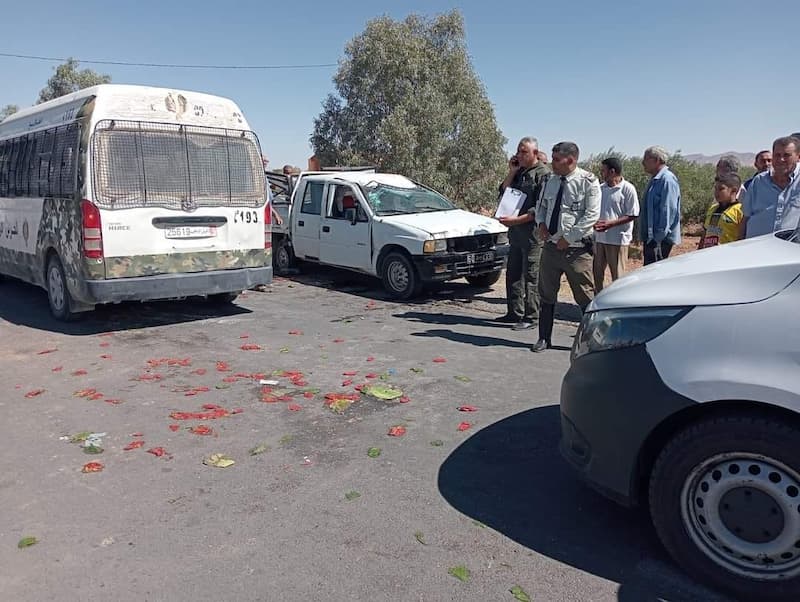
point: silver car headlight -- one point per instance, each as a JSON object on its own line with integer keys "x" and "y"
{"x": 618, "y": 328}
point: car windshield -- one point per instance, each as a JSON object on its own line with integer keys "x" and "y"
{"x": 395, "y": 200}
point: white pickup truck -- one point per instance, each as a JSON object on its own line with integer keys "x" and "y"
{"x": 388, "y": 226}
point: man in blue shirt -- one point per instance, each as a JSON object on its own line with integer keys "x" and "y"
{"x": 762, "y": 163}
{"x": 772, "y": 202}
{"x": 660, "y": 212}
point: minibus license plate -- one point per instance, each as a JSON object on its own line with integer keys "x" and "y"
{"x": 191, "y": 232}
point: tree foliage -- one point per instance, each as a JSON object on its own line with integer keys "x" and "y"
{"x": 8, "y": 110}
{"x": 408, "y": 100}
{"x": 68, "y": 78}
{"x": 696, "y": 180}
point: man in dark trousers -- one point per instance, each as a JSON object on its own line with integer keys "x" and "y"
{"x": 526, "y": 173}
{"x": 566, "y": 215}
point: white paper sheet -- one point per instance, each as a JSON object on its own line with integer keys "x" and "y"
{"x": 510, "y": 203}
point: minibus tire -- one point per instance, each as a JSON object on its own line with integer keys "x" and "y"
{"x": 724, "y": 497}
{"x": 223, "y": 298}
{"x": 58, "y": 295}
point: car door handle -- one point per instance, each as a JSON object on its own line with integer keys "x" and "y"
{"x": 301, "y": 223}
{"x": 326, "y": 228}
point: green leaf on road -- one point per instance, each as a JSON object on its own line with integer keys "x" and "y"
{"x": 478, "y": 523}
{"x": 520, "y": 594}
{"x": 92, "y": 450}
{"x": 374, "y": 452}
{"x": 222, "y": 386}
{"x": 219, "y": 461}
{"x": 284, "y": 350}
{"x": 384, "y": 392}
{"x": 80, "y": 437}
{"x": 27, "y": 542}
{"x": 420, "y": 537}
{"x": 417, "y": 370}
{"x": 259, "y": 449}
{"x": 459, "y": 572}
{"x": 352, "y": 495}
{"x": 463, "y": 379}
{"x": 437, "y": 443}
{"x": 285, "y": 439}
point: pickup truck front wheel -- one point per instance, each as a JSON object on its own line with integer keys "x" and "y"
{"x": 400, "y": 277}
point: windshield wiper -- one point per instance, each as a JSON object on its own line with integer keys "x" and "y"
{"x": 391, "y": 212}
{"x": 430, "y": 209}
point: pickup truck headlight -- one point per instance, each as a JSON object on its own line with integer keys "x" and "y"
{"x": 435, "y": 245}
{"x": 502, "y": 239}
{"x": 618, "y": 328}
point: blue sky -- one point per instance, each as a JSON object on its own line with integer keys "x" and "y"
{"x": 698, "y": 76}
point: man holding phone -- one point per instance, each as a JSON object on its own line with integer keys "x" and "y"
{"x": 527, "y": 174}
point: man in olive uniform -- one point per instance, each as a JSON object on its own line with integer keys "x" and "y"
{"x": 526, "y": 173}
{"x": 566, "y": 215}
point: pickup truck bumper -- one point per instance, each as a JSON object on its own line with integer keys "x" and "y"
{"x": 449, "y": 266}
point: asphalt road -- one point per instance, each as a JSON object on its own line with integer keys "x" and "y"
{"x": 496, "y": 498}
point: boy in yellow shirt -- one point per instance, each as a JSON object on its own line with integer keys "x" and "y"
{"x": 724, "y": 217}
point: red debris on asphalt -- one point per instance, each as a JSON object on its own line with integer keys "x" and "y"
{"x": 134, "y": 445}
{"x": 174, "y": 427}
{"x": 250, "y": 347}
{"x": 439, "y": 360}
{"x": 34, "y": 393}
{"x": 464, "y": 426}
{"x": 467, "y": 409}
{"x": 158, "y": 452}
{"x": 199, "y": 371}
{"x": 80, "y": 373}
{"x": 223, "y": 367}
{"x": 397, "y": 431}
{"x": 293, "y": 407}
{"x": 92, "y": 467}
{"x": 58, "y": 369}
{"x": 201, "y": 429}
{"x": 46, "y": 351}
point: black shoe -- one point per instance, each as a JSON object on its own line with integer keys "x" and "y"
{"x": 541, "y": 345}
{"x": 523, "y": 325}
{"x": 508, "y": 319}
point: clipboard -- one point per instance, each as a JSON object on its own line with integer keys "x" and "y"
{"x": 510, "y": 203}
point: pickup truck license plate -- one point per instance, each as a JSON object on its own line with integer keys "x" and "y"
{"x": 191, "y": 232}
{"x": 474, "y": 258}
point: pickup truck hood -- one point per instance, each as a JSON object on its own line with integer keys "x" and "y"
{"x": 747, "y": 271}
{"x": 453, "y": 223}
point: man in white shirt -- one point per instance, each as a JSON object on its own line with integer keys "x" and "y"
{"x": 619, "y": 206}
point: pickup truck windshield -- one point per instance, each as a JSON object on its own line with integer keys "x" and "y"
{"x": 394, "y": 200}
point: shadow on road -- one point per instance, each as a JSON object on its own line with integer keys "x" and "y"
{"x": 471, "y": 339}
{"x": 511, "y": 477}
{"x": 369, "y": 287}
{"x": 26, "y": 305}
